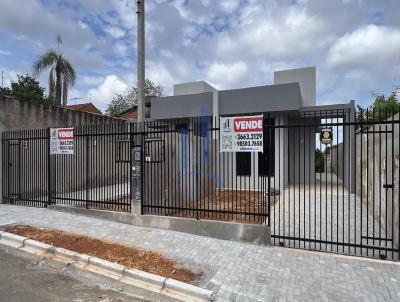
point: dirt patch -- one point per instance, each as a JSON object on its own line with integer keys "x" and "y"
{"x": 151, "y": 262}
{"x": 230, "y": 205}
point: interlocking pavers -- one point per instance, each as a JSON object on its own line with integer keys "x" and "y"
{"x": 238, "y": 271}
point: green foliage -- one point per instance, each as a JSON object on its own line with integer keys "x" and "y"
{"x": 382, "y": 109}
{"x": 319, "y": 161}
{"x": 62, "y": 74}
{"x": 26, "y": 88}
{"x": 125, "y": 101}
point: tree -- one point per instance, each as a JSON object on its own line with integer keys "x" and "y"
{"x": 129, "y": 99}
{"x": 382, "y": 108}
{"x": 62, "y": 75}
{"x": 26, "y": 88}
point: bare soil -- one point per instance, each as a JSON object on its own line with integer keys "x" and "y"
{"x": 237, "y": 206}
{"x": 147, "y": 261}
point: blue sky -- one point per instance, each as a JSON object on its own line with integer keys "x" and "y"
{"x": 355, "y": 44}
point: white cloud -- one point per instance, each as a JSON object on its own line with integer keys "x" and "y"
{"x": 229, "y": 6}
{"x": 9, "y": 75}
{"x": 160, "y": 75}
{"x": 5, "y": 52}
{"x": 367, "y": 46}
{"x": 289, "y": 36}
{"x": 115, "y": 31}
{"x": 226, "y": 75}
{"x": 103, "y": 94}
{"x": 91, "y": 80}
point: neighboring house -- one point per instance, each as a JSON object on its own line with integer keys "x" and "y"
{"x": 291, "y": 100}
{"x": 85, "y": 107}
{"x": 129, "y": 115}
{"x": 132, "y": 113}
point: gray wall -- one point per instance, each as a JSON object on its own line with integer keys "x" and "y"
{"x": 21, "y": 115}
{"x": 182, "y": 106}
{"x": 260, "y": 99}
{"x": 307, "y": 79}
{"x": 238, "y": 101}
{"x": 301, "y": 152}
{"x": 376, "y": 166}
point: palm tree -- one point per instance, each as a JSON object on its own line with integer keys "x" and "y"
{"x": 62, "y": 75}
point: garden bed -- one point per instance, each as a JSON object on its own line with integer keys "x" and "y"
{"x": 147, "y": 261}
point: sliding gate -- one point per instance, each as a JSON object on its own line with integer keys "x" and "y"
{"x": 338, "y": 183}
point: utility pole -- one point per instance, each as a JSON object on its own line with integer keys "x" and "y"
{"x": 141, "y": 59}
{"x": 2, "y": 79}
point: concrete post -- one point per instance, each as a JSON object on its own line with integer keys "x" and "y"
{"x": 141, "y": 59}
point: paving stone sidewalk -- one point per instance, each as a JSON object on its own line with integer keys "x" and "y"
{"x": 238, "y": 271}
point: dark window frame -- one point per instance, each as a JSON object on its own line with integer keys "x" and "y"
{"x": 243, "y": 163}
{"x": 268, "y": 156}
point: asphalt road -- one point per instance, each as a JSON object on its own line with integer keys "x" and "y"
{"x": 30, "y": 278}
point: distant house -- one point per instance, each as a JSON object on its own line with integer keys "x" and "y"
{"x": 130, "y": 114}
{"x": 85, "y": 107}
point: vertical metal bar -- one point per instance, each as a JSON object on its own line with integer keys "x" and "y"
{"x": 48, "y": 169}
{"x": 392, "y": 182}
{"x": 269, "y": 154}
{"x": 361, "y": 188}
{"x": 367, "y": 186}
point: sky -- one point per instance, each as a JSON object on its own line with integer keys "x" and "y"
{"x": 355, "y": 44}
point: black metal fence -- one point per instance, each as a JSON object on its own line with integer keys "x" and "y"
{"x": 326, "y": 180}
{"x": 185, "y": 174}
{"x": 97, "y": 175}
{"x": 341, "y": 196}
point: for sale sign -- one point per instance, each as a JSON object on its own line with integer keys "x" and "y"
{"x": 62, "y": 141}
{"x": 241, "y": 134}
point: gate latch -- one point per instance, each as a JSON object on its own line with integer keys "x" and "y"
{"x": 388, "y": 186}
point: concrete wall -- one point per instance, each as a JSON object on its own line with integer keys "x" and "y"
{"x": 181, "y": 106}
{"x": 378, "y": 163}
{"x": 192, "y": 88}
{"x": 301, "y": 152}
{"x": 336, "y": 163}
{"x": 185, "y": 174}
{"x": 260, "y": 99}
{"x": 21, "y": 115}
{"x": 306, "y": 77}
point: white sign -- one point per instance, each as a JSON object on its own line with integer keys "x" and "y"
{"x": 62, "y": 141}
{"x": 241, "y": 134}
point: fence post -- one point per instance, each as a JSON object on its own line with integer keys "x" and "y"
{"x": 48, "y": 168}
{"x": 87, "y": 168}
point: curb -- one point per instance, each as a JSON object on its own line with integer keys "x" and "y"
{"x": 167, "y": 287}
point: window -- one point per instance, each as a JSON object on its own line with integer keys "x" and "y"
{"x": 266, "y": 159}
{"x": 243, "y": 163}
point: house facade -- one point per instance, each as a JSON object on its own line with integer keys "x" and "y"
{"x": 289, "y": 101}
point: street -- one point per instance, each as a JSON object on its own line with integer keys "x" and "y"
{"x": 31, "y": 278}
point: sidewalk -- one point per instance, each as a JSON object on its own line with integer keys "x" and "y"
{"x": 238, "y": 271}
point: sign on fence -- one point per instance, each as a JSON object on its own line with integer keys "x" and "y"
{"x": 326, "y": 135}
{"x": 62, "y": 141}
{"x": 241, "y": 134}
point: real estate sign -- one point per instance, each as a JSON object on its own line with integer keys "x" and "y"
{"x": 62, "y": 141}
{"x": 241, "y": 134}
